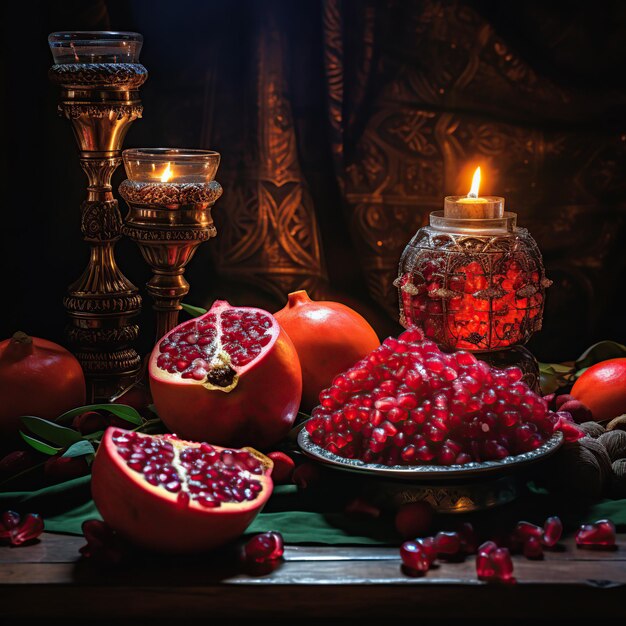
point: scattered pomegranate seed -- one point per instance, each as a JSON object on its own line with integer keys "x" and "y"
{"x": 600, "y": 535}
{"x": 414, "y": 557}
{"x": 414, "y": 519}
{"x": 493, "y": 563}
{"x": 485, "y": 569}
{"x": 283, "y": 467}
{"x": 430, "y": 547}
{"x": 104, "y": 545}
{"x": 552, "y": 531}
{"x": 264, "y": 547}
{"x": 524, "y": 530}
{"x": 16, "y": 531}
{"x": 533, "y": 549}
{"x": 448, "y": 544}
{"x": 469, "y": 539}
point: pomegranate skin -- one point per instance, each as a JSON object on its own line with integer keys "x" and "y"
{"x": 329, "y": 338}
{"x": 602, "y": 388}
{"x": 37, "y": 377}
{"x": 149, "y": 517}
{"x": 259, "y": 411}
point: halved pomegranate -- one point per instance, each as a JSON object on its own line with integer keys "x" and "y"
{"x": 175, "y": 496}
{"x": 231, "y": 376}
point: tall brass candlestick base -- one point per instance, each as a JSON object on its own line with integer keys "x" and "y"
{"x": 169, "y": 194}
{"x": 99, "y": 76}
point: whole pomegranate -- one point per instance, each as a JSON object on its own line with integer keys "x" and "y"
{"x": 602, "y": 388}
{"x": 231, "y": 376}
{"x": 37, "y": 377}
{"x": 329, "y": 338}
{"x": 175, "y": 496}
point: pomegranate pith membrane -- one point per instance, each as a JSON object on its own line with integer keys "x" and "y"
{"x": 408, "y": 403}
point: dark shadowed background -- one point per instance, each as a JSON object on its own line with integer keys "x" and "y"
{"x": 341, "y": 125}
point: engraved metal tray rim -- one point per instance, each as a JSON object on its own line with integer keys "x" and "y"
{"x": 429, "y": 472}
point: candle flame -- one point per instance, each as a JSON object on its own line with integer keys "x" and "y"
{"x": 473, "y": 192}
{"x": 167, "y": 174}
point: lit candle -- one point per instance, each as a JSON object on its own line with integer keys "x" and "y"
{"x": 473, "y": 206}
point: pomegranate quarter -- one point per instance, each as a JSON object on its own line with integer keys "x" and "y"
{"x": 231, "y": 376}
{"x": 174, "y": 496}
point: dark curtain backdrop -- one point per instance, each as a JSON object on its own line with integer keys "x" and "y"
{"x": 341, "y": 124}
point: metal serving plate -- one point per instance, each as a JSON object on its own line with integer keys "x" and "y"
{"x": 430, "y": 473}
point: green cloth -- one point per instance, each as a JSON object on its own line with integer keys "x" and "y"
{"x": 301, "y": 518}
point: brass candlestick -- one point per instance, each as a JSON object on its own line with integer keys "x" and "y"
{"x": 169, "y": 193}
{"x": 99, "y": 77}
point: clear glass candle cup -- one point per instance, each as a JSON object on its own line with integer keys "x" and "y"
{"x": 83, "y": 46}
{"x": 170, "y": 165}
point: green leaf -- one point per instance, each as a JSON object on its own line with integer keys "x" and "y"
{"x": 40, "y": 446}
{"x": 80, "y": 448}
{"x": 600, "y": 351}
{"x": 194, "y": 311}
{"x": 59, "y": 435}
{"x": 122, "y": 411}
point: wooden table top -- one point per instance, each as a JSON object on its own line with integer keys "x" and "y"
{"x": 47, "y": 578}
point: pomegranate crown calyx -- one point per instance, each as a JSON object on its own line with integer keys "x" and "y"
{"x": 296, "y": 298}
{"x": 21, "y": 338}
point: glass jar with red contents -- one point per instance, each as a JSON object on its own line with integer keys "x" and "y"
{"x": 473, "y": 283}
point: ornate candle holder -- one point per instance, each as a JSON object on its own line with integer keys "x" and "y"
{"x": 475, "y": 284}
{"x": 99, "y": 76}
{"x": 169, "y": 193}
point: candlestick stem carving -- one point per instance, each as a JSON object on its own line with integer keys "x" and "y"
{"x": 101, "y": 100}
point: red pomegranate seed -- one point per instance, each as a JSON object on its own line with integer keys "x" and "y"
{"x": 503, "y": 564}
{"x": 533, "y": 549}
{"x": 448, "y": 543}
{"x": 264, "y": 547}
{"x": 599, "y": 535}
{"x": 552, "y": 531}
{"x": 15, "y": 530}
{"x": 485, "y": 568}
{"x": 430, "y": 547}
{"x": 524, "y": 530}
{"x": 414, "y": 557}
{"x": 469, "y": 539}
{"x": 103, "y": 545}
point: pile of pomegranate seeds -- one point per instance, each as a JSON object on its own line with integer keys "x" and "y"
{"x": 208, "y": 475}
{"x": 16, "y": 531}
{"x": 264, "y": 547}
{"x": 598, "y": 536}
{"x": 408, "y": 403}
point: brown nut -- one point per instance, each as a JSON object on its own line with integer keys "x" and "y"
{"x": 618, "y": 482}
{"x": 615, "y": 443}
{"x": 593, "y": 429}
{"x": 618, "y": 423}
{"x": 578, "y": 471}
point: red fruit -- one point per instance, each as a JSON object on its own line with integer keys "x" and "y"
{"x": 61, "y": 468}
{"x": 599, "y": 535}
{"x": 329, "y": 338}
{"x": 16, "y": 462}
{"x": 89, "y": 422}
{"x": 414, "y": 557}
{"x": 16, "y": 531}
{"x": 283, "y": 467}
{"x": 552, "y": 531}
{"x": 37, "y": 377}
{"x": 176, "y": 496}
{"x": 602, "y": 388}
{"x": 414, "y": 519}
{"x": 533, "y": 548}
{"x": 231, "y": 376}
{"x": 448, "y": 544}
{"x": 264, "y": 547}
{"x": 502, "y": 564}
{"x": 305, "y": 475}
{"x": 429, "y": 546}
{"x": 524, "y": 530}
{"x": 103, "y": 545}
{"x": 408, "y": 403}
